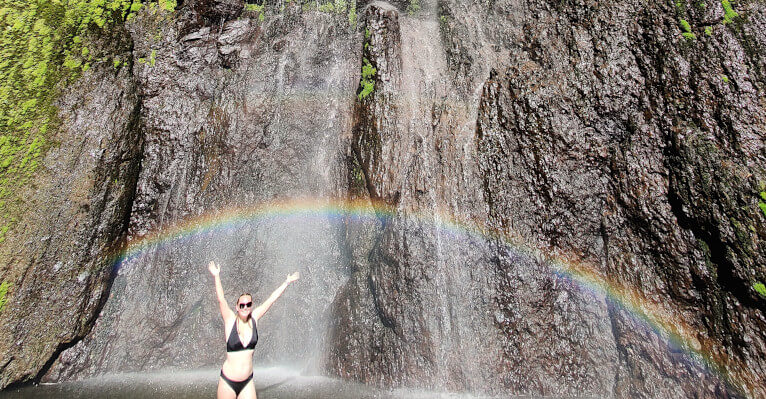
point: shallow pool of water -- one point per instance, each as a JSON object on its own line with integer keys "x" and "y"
{"x": 273, "y": 383}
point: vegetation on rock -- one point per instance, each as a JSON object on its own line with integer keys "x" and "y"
{"x": 760, "y": 289}
{"x": 43, "y": 47}
{"x": 257, "y": 9}
{"x": 687, "y": 29}
{"x": 728, "y": 12}
{"x": 168, "y": 5}
{"x": 3, "y": 290}
{"x": 367, "y": 84}
{"x": 413, "y": 7}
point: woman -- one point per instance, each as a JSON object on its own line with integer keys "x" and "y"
{"x": 237, "y": 372}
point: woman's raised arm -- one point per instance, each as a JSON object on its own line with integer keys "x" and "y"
{"x": 226, "y": 311}
{"x": 261, "y": 310}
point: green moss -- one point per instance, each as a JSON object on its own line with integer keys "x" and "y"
{"x": 42, "y": 48}
{"x": 687, "y": 30}
{"x": 760, "y": 289}
{"x": 685, "y": 25}
{"x": 709, "y": 30}
{"x": 708, "y": 261}
{"x": 334, "y": 7}
{"x": 728, "y": 12}
{"x": 327, "y": 7}
{"x": 413, "y": 7}
{"x": 168, "y": 5}
{"x": 3, "y": 291}
{"x": 367, "y": 84}
{"x": 352, "y": 17}
{"x": 680, "y": 7}
{"x": 725, "y": 78}
{"x": 258, "y": 9}
{"x": 761, "y": 203}
{"x": 153, "y": 58}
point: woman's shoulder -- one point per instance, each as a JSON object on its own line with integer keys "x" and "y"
{"x": 228, "y": 323}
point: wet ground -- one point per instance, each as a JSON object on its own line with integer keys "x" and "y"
{"x": 270, "y": 384}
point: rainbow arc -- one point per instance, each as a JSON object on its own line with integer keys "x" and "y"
{"x": 679, "y": 334}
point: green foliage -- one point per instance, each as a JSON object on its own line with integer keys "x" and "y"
{"x": 258, "y": 9}
{"x": 352, "y": 17}
{"x": 725, "y": 78}
{"x": 680, "y": 7}
{"x": 168, "y": 5}
{"x": 335, "y": 7}
{"x": 728, "y": 12}
{"x": 41, "y": 48}
{"x": 760, "y": 289}
{"x": 709, "y": 30}
{"x": 3, "y": 291}
{"x": 152, "y": 57}
{"x": 687, "y": 30}
{"x": 685, "y": 25}
{"x": 254, "y": 7}
{"x": 413, "y": 7}
{"x": 761, "y": 203}
{"x": 367, "y": 84}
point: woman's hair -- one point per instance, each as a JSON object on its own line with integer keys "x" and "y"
{"x": 251, "y": 308}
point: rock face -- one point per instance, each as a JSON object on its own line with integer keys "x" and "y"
{"x": 489, "y": 141}
{"x": 599, "y": 143}
{"x": 59, "y": 259}
{"x": 230, "y": 116}
{"x": 647, "y": 163}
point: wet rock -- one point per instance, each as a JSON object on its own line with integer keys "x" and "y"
{"x": 605, "y": 147}
{"x": 466, "y": 322}
{"x": 216, "y": 10}
{"x": 79, "y": 203}
{"x": 592, "y": 134}
{"x": 228, "y": 135}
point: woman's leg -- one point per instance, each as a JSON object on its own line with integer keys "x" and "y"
{"x": 224, "y": 390}
{"x": 249, "y": 391}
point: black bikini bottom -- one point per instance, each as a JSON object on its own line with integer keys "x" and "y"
{"x": 237, "y": 386}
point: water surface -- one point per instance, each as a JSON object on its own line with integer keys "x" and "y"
{"x": 271, "y": 383}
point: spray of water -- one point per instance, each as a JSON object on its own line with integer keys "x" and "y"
{"x": 311, "y": 212}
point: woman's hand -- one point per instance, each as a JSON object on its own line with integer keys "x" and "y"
{"x": 293, "y": 277}
{"x": 215, "y": 270}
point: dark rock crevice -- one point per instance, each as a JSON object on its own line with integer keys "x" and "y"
{"x": 711, "y": 236}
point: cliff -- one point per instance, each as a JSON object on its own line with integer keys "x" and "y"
{"x": 558, "y": 198}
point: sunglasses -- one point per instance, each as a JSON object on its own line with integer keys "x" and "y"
{"x": 245, "y": 305}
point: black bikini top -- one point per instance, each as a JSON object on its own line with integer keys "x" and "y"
{"x": 234, "y": 344}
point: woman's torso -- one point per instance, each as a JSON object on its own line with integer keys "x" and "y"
{"x": 239, "y": 363}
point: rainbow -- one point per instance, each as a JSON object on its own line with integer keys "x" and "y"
{"x": 661, "y": 320}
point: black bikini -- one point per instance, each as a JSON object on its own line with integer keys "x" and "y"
{"x": 234, "y": 344}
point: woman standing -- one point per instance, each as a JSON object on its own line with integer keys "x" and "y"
{"x": 241, "y": 336}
